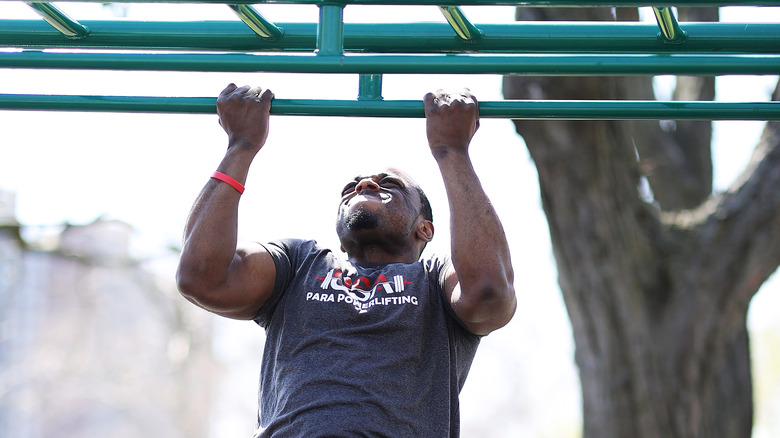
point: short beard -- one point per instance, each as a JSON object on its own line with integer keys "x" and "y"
{"x": 361, "y": 220}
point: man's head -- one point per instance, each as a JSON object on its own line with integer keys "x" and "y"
{"x": 386, "y": 212}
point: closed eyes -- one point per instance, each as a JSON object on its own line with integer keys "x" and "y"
{"x": 390, "y": 182}
{"x": 348, "y": 188}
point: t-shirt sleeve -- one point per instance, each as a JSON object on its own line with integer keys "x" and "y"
{"x": 283, "y": 254}
{"x": 463, "y": 341}
{"x": 437, "y": 268}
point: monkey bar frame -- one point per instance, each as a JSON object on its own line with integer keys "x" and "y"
{"x": 255, "y": 44}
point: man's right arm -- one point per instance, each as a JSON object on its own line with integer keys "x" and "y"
{"x": 213, "y": 272}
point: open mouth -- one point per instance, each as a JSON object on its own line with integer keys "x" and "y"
{"x": 384, "y": 198}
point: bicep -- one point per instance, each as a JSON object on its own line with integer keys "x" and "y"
{"x": 248, "y": 285}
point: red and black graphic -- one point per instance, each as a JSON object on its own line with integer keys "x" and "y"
{"x": 361, "y": 292}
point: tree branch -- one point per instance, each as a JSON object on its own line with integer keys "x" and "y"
{"x": 743, "y": 231}
{"x": 726, "y": 250}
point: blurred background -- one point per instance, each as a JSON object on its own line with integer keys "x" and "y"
{"x": 94, "y": 338}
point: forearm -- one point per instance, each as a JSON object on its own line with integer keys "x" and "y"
{"x": 211, "y": 231}
{"x": 480, "y": 285}
{"x": 479, "y": 250}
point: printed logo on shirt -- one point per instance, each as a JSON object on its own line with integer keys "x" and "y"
{"x": 361, "y": 292}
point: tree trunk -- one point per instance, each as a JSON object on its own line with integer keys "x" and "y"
{"x": 657, "y": 286}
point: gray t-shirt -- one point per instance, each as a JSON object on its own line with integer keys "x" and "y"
{"x": 359, "y": 350}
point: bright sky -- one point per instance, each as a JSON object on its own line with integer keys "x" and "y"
{"x": 147, "y": 170}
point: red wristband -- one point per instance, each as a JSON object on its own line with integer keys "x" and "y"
{"x": 230, "y": 180}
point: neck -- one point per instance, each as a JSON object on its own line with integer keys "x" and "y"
{"x": 380, "y": 254}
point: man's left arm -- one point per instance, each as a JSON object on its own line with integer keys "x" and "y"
{"x": 480, "y": 285}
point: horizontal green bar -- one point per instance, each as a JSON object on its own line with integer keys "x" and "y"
{"x": 401, "y": 37}
{"x": 512, "y": 109}
{"x": 525, "y": 64}
{"x": 555, "y": 3}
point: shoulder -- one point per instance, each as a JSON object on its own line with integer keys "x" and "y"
{"x": 441, "y": 270}
{"x": 436, "y": 262}
{"x": 290, "y": 245}
{"x": 293, "y": 248}
{"x": 290, "y": 255}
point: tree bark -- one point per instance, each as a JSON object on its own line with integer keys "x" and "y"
{"x": 657, "y": 286}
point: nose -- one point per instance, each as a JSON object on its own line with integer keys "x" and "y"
{"x": 366, "y": 184}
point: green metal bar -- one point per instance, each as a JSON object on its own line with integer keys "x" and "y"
{"x": 514, "y": 109}
{"x": 460, "y": 24}
{"x": 551, "y": 3}
{"x": 525, "y": 64}
{"x": 330, "y": 30}
{"x": 670, "y": 29}
{"x": 370, "y": 87}
{"x": 258, "y": 23}
{"x": 60, "y": 20}
{"x": 401, "y": 37}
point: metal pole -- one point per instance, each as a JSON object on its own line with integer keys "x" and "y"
{"x": 330, "y": 30}
{"x": 259, "y": 25}
{"x": 402, "y": 37}
{"x": 546, "y": 3}
{"x": 60, "y": 20}
{"x": 525, "y": 64}
{"x": 514, "y": 109}
{"x": 370, "y": 87}
{"x": 462, "y": 26}
{"x": 670, "y": 29}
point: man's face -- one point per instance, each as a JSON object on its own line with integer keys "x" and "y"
{"x": 385, "y": 203}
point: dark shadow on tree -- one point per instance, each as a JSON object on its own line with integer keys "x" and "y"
{"x": 657, "y": 289}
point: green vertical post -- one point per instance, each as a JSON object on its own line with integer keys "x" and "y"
{"x": 462, "y": 26}
{"x": 670, "y": 29}
{"x": 370, "y": 87}
{"x": 330, "y": 30}
{"x": 259, "y": 25}
{"x": 60, "y": 20}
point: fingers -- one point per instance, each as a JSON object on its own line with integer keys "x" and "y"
{"x": 429, "y": 103}
{"x": 449, "y": 100}
{"x": 452, "y": 118}
{"x": 266, "y": 97}
{"x": 256, "y": 93}
{"x": 229, "y": 89}
{"x": 450, "y": 97}
{"x": 473, "y": 99}
{"x": 242, "y": 109}
{"x": 234, "y": 96}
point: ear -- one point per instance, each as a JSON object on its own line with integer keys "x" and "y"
{"x": 424, "y": 230}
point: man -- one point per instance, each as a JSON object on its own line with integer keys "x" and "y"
{"x": 375, "y": 344}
